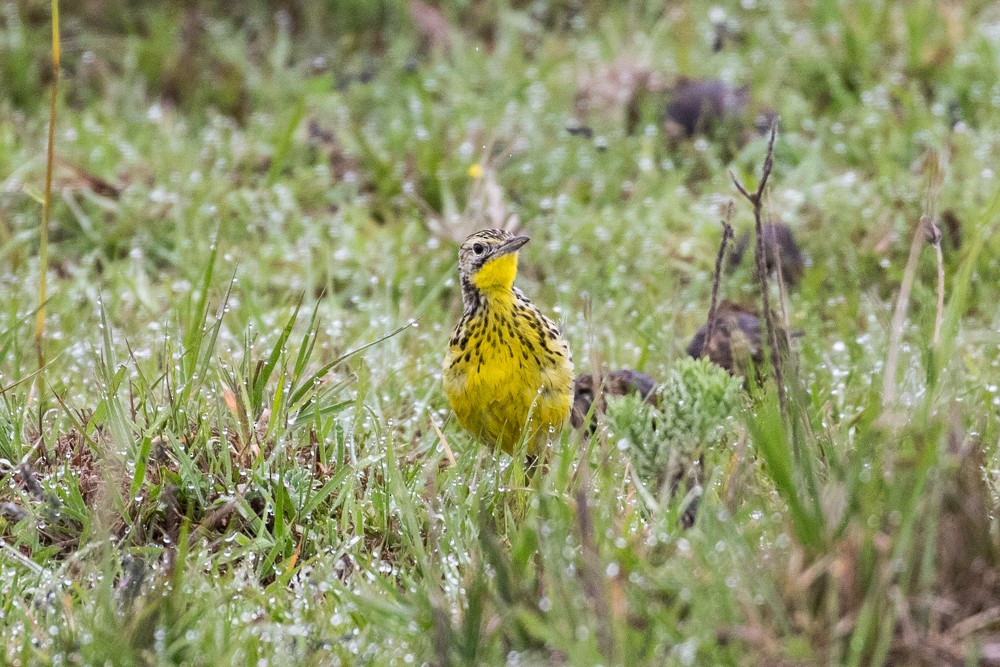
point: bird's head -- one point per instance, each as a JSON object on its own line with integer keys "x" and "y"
{"x": 487, "y": 260}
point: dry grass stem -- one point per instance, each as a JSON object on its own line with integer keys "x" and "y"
{"x": 899, "y": 317}
{"x": 43, "y": 250}
{"x": 933, "y": 235}
{"x": 779, "y": 272}
{"x": 17, "y": 556}
{"x": 444, "y": 441}
{"x": 973, "y": 624}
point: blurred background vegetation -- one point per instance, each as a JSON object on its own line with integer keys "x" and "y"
{"x": 245, "y": 193}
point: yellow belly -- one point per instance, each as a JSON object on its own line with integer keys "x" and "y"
{"x": 503, "y": 393}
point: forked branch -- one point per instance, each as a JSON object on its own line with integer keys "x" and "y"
{"x": 756, "y": 199}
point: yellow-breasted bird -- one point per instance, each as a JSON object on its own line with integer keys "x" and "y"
{"x": 508, "y": 368}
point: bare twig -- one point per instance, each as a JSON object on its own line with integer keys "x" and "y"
{"x": 757, "y": 200}
{"x": 727, "y": 233}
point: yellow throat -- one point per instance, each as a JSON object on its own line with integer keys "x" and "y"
{"x": 508, "y": 373}
{"x": 496, "y": 277}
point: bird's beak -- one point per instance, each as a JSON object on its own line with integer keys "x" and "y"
{"x": 512, "y": 246}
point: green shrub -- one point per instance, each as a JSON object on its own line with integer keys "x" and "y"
{"x": 697, "y": 405}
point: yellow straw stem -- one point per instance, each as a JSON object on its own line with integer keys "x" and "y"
{"x": 47, "y": 201}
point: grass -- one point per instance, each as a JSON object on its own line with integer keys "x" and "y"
{"x": 221, "y": 468}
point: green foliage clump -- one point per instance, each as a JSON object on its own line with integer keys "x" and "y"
{"x": 696, "y": 409}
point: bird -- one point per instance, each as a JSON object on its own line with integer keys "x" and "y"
{"x": 714, "y": 108}
{"x": 736, "y": 339}
{"x": 508, "y": 372}
{"x": 737, "y": 342}
{"x": 593, "y": 387}
{"x": 701, "y": 104}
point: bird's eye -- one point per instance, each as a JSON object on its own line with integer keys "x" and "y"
{"x": 479, "y": 248}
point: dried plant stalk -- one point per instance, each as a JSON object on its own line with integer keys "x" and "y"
{"x": 727, "y": 234}
{"x": 43, "y": 250}
{"x": 756, "y": 199}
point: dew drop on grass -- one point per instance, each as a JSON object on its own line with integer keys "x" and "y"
{"x": 687, "y": 651}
